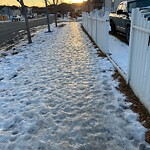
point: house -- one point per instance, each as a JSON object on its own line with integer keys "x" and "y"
{"x": 38, "y": 10}
{"x": 15, "y": 10}
{"x": 111, "y": 5}
{"x": 90, "y": 5}
{"x": 64, "y": 8}
{"x": 96, "y": 4}
{"x": 6, "y": 12}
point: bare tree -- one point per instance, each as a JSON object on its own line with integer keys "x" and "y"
{"x": 24, "y": 12}
{"x": 55, "y": 2}
{"x": 47, "y": 14}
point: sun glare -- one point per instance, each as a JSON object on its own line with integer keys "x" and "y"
{"x": 77, "y": 1}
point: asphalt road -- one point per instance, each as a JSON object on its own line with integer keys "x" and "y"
{"x": 9, "y": 30}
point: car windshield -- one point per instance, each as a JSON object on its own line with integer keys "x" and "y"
{"x": 134, "y": 4}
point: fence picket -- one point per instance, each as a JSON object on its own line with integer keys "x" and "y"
{"x": 139, "y": 66}
{"x": 98, "y": 28}
{"x": 139, "y": 49}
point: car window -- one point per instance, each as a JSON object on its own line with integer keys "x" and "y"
{"x": 143, "y": 3}
{"x": 140, "y": 4}
{"x": 131, "y": 5}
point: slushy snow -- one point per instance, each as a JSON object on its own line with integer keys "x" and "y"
{"x": 57, "y": 94}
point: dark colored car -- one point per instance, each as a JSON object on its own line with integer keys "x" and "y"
{"x": 121, "y": 19}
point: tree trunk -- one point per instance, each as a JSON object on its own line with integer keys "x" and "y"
{"x": 55, "y": 9}
{"x": 24, "y": 12}
{"x": 47, "y": 14}
{"x": 27, "y": 27}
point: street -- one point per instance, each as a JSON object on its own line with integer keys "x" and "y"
{"x": 9, "y": 30}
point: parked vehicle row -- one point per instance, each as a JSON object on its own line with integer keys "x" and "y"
{"x": 121, "y": 19}
{"x": 19, "y": 18}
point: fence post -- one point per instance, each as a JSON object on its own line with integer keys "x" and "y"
{"x": 91, "y": 24}
{"x": 131, "y": 45}
{"x": 85, "y": 20}
{"x": 88, "y": 23}
{"x": 106, "y": 17}
{"x": 96, "y": 27}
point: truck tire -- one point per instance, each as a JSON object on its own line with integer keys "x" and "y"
{"x": 128, "y": 33}
{"x": 113, "y": 27}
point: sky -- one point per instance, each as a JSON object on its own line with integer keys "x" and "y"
{"x": 28, "y": 2}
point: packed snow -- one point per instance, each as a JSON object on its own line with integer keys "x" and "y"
{"x": 119, "y": 52}
{"x": 57, "y": 94}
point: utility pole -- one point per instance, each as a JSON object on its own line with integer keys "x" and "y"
{"x": 24, "y": 12}
{"x": 47, "y": 14}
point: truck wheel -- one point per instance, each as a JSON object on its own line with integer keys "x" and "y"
{"x": 128, "y": 33}
{"x": 113, "y": 27}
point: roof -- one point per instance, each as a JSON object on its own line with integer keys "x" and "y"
{"x": 1, "y": 7}
{"x": 13, "y": 7}
{"x": 10, "y": 7}
{"x": 96, "y": 1}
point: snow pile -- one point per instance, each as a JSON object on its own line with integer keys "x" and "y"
{"x": 56, "y": 93}
{"x": 5, "y": 21}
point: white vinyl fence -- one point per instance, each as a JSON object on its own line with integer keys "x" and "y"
{"x": 97, "y": 26}
{"x": 139, "y": 57}
{"x": 138, "y": 75}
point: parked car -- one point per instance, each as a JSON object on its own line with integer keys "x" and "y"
{"x": 121, "y": 19}
{"x": 16, "y": 18}
{"x": 58, "y": 15}
{"x": 30, "y": 16}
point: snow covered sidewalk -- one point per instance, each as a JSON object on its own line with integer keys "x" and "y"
{"x": 57, "y": 94}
